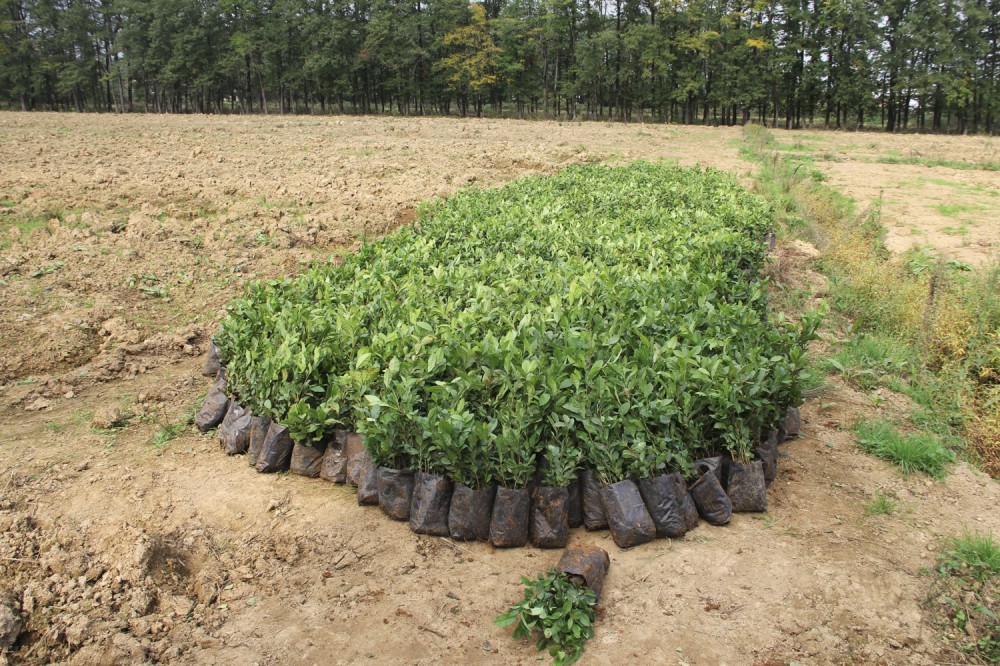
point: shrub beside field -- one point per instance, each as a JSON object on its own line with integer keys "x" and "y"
{"x": 610, "y": 318}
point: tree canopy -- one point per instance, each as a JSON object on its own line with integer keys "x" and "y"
{"x": 897, "y": 64}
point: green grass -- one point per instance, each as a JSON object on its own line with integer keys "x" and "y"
{"x": 961, "y": 230}
{"x": 954, "y": 210}
{"x": 881, "y": 505}
{"x": 24, "y": 225}
{"x": 795, "y": 146}
{"x": 873, "y": 360}
{"x": 939, "y": 162}
{"x": 168, "y": 433}
{"x": 915, "y": 452}
{"x": 947, "y": 312}
{"x": 965, "y": 593}
{"x": 965, "y": 188}
{"x": 974, "y": 555}
{"x": 48, "y": 268}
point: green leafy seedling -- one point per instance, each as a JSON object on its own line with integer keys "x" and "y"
{"x": 555, "y": 612}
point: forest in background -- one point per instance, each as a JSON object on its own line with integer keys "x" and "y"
{"x": 928, "y": 65}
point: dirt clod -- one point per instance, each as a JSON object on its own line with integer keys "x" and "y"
{"x": 107, "y": 418}
{"x": 10, "y": 627}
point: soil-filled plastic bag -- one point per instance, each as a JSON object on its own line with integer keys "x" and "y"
{"x": 276, "y": 452}
{"x": 228, "y": 419}
{"x": 574, "y": 505}
{"x": 395, "y": 491}
{"x": 429, "y": 506}
{"x": 715, "y": 465}
{"x": 510, "y": 520}
{"x": 549, "y": 526}
{"x": 470, "y": 512}
{"x": 663, "y": 496}
{"x": 793, "y": 422}
{"x": 767, "y": 453}
{"x": 334, "y": 467}
{"x": 307, "y": 459}
{"x": 628, "y": 517}
{"x": 354, "y": 455}
{"x": 711, "y": 500}
{"x": 368, "y": 483}
{"x": 593, "y": 509}
{"x": 213, "y": 410}
{"x": 258, "y": 433}
{"x": 234, "y": 435}
{"x": 688, "y": 508}
{"x": 212, "y": 363}
{"x": 585, "y": 565}
{"x": 747, "y": 489}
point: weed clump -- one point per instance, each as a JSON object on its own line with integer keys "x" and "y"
{"x": 964, "y": 595}
{"x": 881, "y": 505}
{"x": 914, "y": 452}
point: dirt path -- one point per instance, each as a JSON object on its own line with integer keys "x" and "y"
{"x": 119, "y": 550}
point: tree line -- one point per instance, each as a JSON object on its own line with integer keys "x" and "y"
{"x": 929, "y": 65}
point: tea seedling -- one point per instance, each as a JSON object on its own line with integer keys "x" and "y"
{"x": 555, "y": 612}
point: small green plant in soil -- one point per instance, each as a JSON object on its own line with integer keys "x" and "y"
{"x": 965, "y": 592}
{"x": 168, "y": 432}
{"x": 881, "y": 505}
{"x": 555, "y": 612}
{"x": 47, "y": 268}
{"x": 913, "y": 452}
{"x": 148, "y": 284}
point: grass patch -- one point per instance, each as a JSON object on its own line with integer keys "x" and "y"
{"x": 167, "y": 433}
{"x": 960, "y": 230}
{"x": 794, "y": 146}
{"x": 954, "y": 210}
{"x": 873, "y": 360}
{"x": 24, "y": 224}
{"x": 974, "y": 555}
{"x": 965, "y": 188}
{"x": 880, "y": 505}
{"x": 54, "y": 427}
{"x": 939, "y": 162}
{"x": 48, "y": 268}
{"x": 914, "y": 452}
{"x": 964, "y": 596}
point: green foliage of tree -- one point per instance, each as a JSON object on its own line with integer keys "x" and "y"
{"x": 897, "y": 64}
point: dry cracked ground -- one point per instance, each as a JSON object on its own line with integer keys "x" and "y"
{"x": 126, "y": 537}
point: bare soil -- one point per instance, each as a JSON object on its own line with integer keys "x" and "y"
{"x": 954, "y": 210}
{"x": 124, "y": 540}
